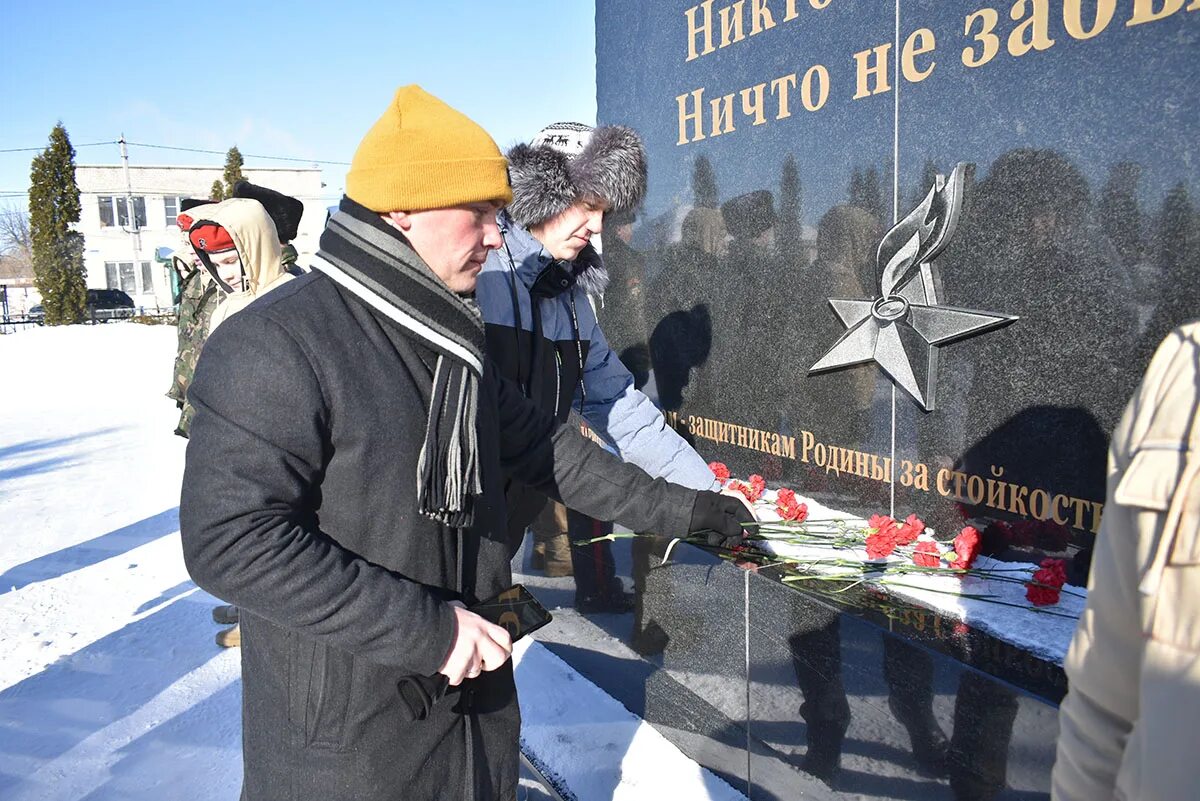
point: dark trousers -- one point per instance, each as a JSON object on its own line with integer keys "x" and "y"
{"x": 593, "y": 564}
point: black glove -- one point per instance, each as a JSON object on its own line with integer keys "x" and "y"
{"x": 420, "y": 693}
{"x": 719, "y": 518}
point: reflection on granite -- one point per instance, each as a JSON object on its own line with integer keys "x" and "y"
{"x": 677, "y": 660}
{"x": 1081, "y": 221}
{"x": 1082, "y": 180}
{"x": 878, "y": 715}
{"x": 848, "y": 692}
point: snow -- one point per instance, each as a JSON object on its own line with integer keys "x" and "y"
{"x": 111, "y": 686}
{"x": 596, "y": 747}
{"x": 1047, "y": 634}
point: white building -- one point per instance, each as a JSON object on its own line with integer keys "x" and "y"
{"x": 120, "y": 255}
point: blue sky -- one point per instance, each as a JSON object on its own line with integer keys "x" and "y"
{"x": 300, "y": 79}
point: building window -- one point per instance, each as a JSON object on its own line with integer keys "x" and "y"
{"x": 171, "y": 204}
{"x": 128, "y": 277}
{"x": 123, "y": 275}
{"x": 114, "y": 210}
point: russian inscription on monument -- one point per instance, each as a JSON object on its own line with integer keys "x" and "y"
{"x": 822, "y": 290}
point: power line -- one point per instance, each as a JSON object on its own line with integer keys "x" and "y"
{"x": 182, "y": 150}
{"x": 244, "y": 155}
{"x": 43, "y": 147}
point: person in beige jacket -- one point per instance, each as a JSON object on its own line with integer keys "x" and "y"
{"x": 238, "y": 244}
{"x": 1128, "y": 723}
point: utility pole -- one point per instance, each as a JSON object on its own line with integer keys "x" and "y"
{"x": 132, "y": 212}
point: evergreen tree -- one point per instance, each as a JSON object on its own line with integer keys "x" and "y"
{"x": 929, "y": 174}
{"x": 855, "y": 196}
{"x": 1177, "y": 252}
{"x": 791, "y": 232}
{"x": 1178, "y": 245}
{"x": 704, "y": 184}
{"x": 1120, "y": 213}
{"x": 233, "y": 169}
{"x": 217, "y": 193}
{"x": 872, "y": 196}
{"x": 57, "y": 250}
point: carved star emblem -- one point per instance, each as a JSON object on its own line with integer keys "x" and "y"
{"x": 902, "y": 329}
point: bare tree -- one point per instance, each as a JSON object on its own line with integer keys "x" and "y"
{"x": 16, "y": 244}
{"x": 14, "y": 231}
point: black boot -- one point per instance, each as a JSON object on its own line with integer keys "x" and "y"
{"x": 611, "y": 600}
{"x": 929, "y": 743}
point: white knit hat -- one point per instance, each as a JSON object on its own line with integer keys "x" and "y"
{"x": 565, "y": 137}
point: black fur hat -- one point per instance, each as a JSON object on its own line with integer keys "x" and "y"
{"x": 747, "y": 216}
{"x": 189, "y": 203}
{"x": 284, "y": 210}
{"x": 546, "y": 181}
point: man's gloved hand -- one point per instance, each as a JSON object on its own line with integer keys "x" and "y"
{"x": 720, "y": 518}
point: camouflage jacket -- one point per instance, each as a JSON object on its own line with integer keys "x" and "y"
{"x": 198, "y": 297}
{"x": 289, "y": 258}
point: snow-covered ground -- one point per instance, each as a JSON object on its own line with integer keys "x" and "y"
{"x": 111, "y": 686}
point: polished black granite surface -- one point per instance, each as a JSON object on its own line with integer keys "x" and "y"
{"x": 815, "y": 691}
{"x": 1077, "y": 219}
{"x": 1074, "y": 220}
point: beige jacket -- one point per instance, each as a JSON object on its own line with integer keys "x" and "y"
{"x": 1129, "y": 723}
{"x": 257, "y": 242}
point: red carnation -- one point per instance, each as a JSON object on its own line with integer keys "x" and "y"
{"x": 737, "y": 486}
{"x": 909, "y": 530}
{"x": 720, "y": 471}
{"x": 758, "y": 486}
{"x": 886, "y": 536}
{"x": 789, "y": 508}
{"x": 1046, "y": 586}
{"x": 882, "y": 541}
{"x": 966, "y": 548}
{"x": 880, "y": 546}
{"x": 881, "y": 523}
{"x": 927, "y": 554}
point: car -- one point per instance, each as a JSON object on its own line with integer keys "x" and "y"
{"x": 108, "y": 304}
{"x": 102, "y": 305}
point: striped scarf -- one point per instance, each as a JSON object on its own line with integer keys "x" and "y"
{"x": 373, "y": 262}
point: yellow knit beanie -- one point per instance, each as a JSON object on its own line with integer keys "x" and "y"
{"x": 421, "y": 155}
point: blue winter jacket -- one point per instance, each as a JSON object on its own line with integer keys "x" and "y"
{"x": 543, "y": 333}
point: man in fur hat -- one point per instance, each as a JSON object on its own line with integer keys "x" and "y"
{"x": 535, "y": 293}
{"x": 345, "y": 486}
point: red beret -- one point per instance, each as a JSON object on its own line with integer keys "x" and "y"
{"x": 184, "y": 221}
{"x": 211, "y": 238}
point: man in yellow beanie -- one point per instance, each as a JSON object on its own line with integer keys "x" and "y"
{"x": 345, "y": 486}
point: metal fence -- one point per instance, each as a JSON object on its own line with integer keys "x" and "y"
{"x": 11, "y": 323}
